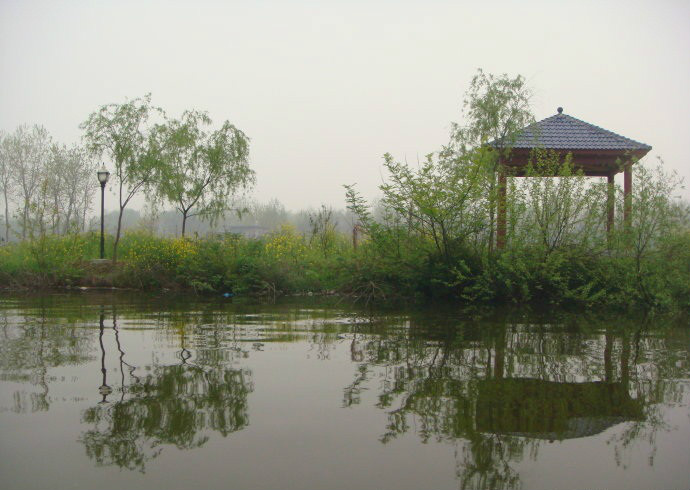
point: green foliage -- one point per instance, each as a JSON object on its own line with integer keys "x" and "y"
{"x": 558, "y": 251}
{"x": 442, "y": 201}
{"x": 323, "y": 229}
{"x": 281, "y": 263}
{"x": 496, "y": 108}
{"x": 199, "y": 170}
{"x": 122, "y": 133}
{"x": 560, "y": 208}
{"x": 435, "y": 236}
{"x": 49, "y": 260}
{"x": 430, "y": 237}
{"x": 392, "y": 262}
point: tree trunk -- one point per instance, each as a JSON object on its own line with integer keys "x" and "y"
{"x": 25, "y": 218}
{"x": 7, "y": 219}
{"x": 501, "y": 210}
{"x": 627, "y": 196}
{"x": 68, "y": 219}
{"x": 492, "y": 211}
{"x": 85, "y": 209}
{"x": 610, "y": 204}
{"x": 184, "y": 221}
{"x": 56, "y": 216}
{"x": 83, "y": 220}
{"x": 71, "y": 210}
{"x": 117, "y": 234}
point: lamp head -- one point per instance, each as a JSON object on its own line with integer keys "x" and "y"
{"x": 103, "y": 175}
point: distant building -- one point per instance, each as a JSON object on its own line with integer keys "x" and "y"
{"x": 248, "y": 231}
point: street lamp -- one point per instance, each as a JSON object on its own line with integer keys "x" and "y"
{"x": 103, "y": 175}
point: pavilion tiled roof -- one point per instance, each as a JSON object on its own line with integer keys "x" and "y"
{"x": 564, "y": 132}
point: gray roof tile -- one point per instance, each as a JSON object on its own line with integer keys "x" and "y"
{"x": 564, "y": 132}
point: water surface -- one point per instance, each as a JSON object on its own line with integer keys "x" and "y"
{"x": 135, "y": 391}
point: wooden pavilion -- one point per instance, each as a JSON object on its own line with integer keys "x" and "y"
{"x": 596, "y": 151}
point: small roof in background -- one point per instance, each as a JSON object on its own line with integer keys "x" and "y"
{"x": 564, "y": 132}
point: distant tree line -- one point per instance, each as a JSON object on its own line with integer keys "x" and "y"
{"x": 263, "y": 216}
{"x": 181, "y": 162}
{"x": 48, "y": 184}
{"x": 187, "y": 172}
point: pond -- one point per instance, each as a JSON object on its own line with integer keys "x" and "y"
{"x": 105, "y": 390}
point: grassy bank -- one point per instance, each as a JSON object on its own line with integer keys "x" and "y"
{"x": 387, "y": 265}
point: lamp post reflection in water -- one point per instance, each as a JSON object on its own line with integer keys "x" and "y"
{"x": 104, "y": 389}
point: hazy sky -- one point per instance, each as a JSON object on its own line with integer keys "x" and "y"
{"x": 325, "y": 88}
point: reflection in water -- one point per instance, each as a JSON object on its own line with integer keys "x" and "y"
{"x": 174, "y": 405}
{"x": 33, "y": 342}
{"x": 498, "y": 390}
{"x": 104, "y": 389}
{"x": 551, "y": 410}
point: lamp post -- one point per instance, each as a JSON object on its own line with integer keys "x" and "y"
{"x": 103, "y": 175}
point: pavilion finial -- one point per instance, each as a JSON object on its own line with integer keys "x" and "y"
{"x": 560, "y": 110}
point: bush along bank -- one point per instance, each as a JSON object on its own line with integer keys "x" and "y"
{"x": 389, "y": 264}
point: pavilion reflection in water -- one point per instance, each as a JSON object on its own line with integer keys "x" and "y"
{"x": 497, "y": 391}
{"x": 556, "y": 410}
{"x": 552, "y": 410}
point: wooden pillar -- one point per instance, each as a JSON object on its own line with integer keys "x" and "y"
{"x": 501, "y": 218}
{"x": 610, "y": 204}
{"x": 627, "y": 194}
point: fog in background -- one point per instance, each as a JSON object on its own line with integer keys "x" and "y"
{"x": 323, "y": 89}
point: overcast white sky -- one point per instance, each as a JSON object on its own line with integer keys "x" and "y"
{"x": 325, "y": 88}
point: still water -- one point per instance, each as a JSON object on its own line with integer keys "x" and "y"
{"x": 131, "y": 391}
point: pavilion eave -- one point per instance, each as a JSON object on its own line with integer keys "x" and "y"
{"x": 593, "y": 163}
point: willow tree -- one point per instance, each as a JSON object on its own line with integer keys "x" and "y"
{"x": 122, "y": 133}
{"x": 496, "y": 108}
{"x": 201, "y": 169}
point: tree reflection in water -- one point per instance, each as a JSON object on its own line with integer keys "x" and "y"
{"x": 498, "y": 391}
{"x": 177, "y": 405}
{"x": 35, "y": 341}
